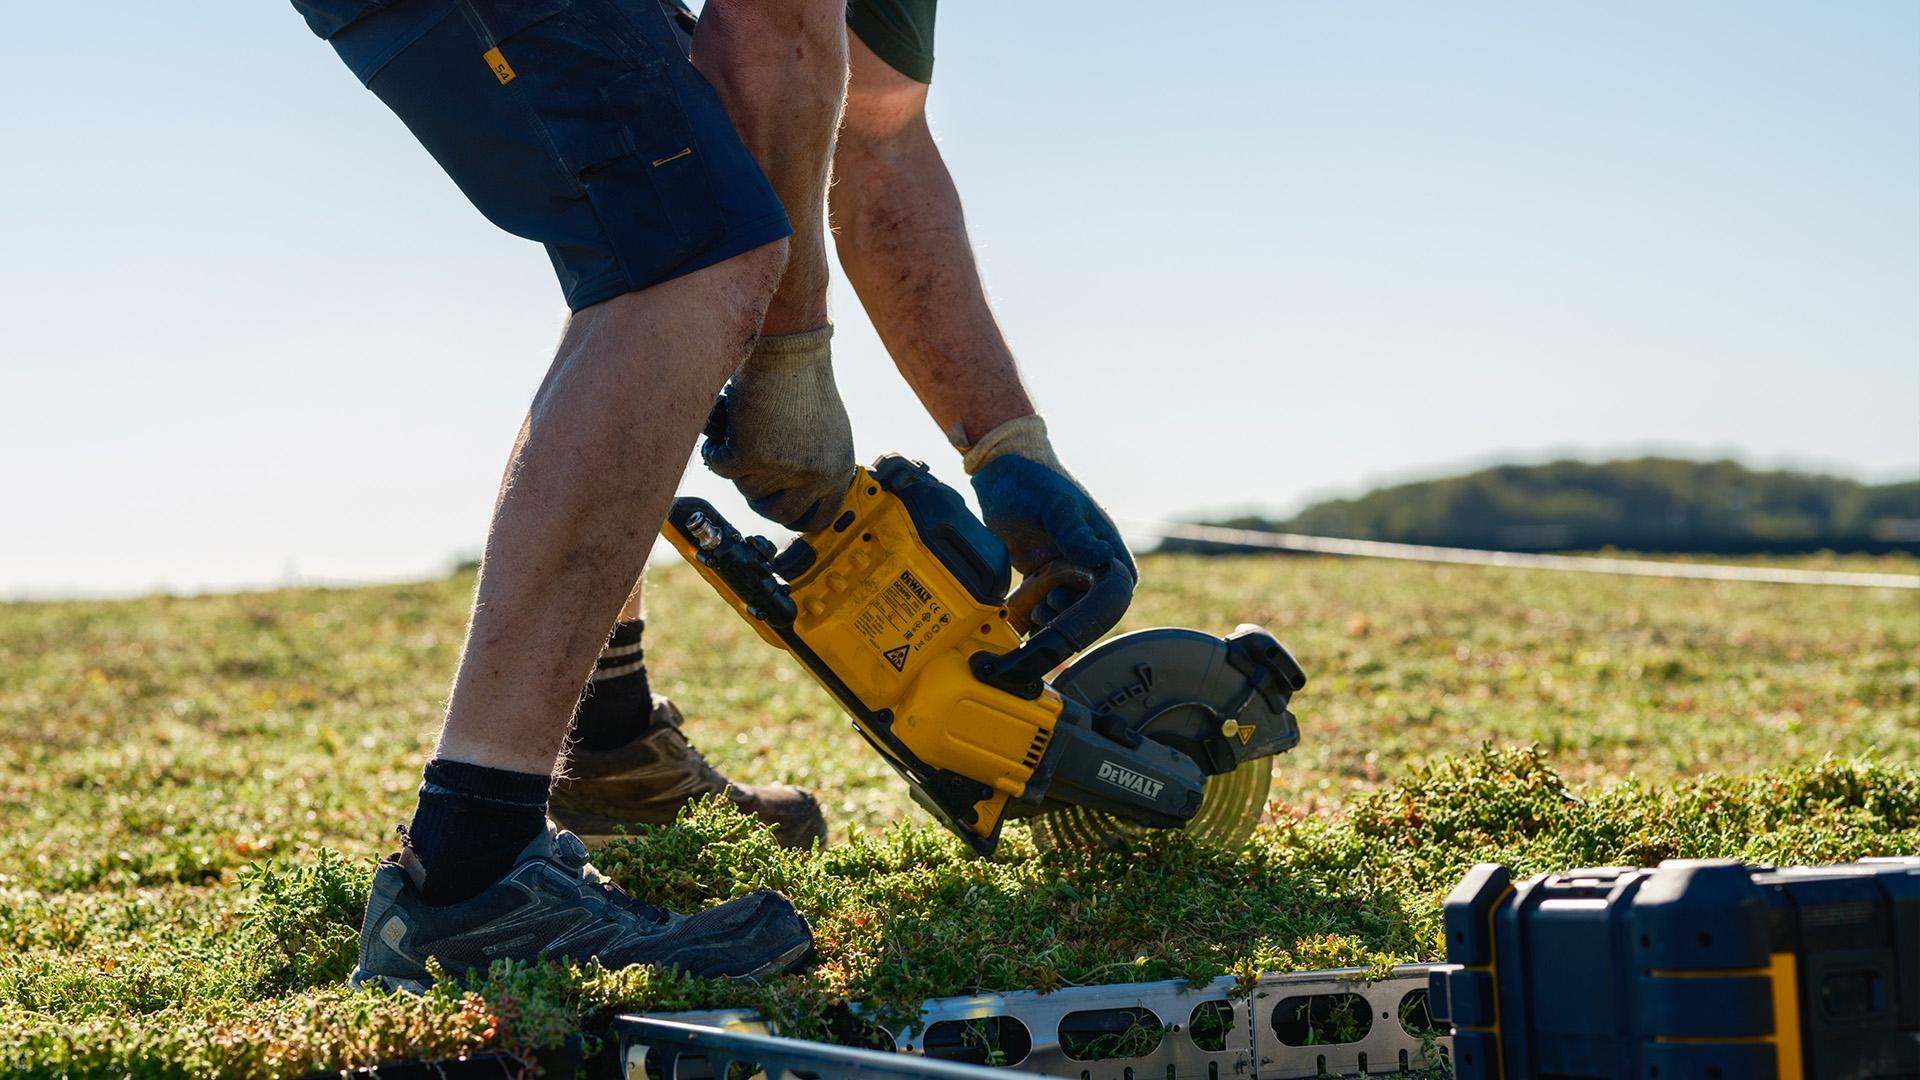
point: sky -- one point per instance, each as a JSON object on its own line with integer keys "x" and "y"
{"x": 1249, "y": 254}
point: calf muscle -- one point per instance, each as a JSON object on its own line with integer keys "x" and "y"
{"x": 586, "y": 488}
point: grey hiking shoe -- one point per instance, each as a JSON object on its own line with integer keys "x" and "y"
{"x": 554, "y": 904}
{"x": 647, "y": 781}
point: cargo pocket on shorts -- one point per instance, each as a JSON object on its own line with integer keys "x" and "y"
{"x": 643, "y": 172}
{"x": 505, "y": 18}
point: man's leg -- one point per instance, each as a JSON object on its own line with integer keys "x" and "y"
{"x": 618, "y": 703}
{"x": 565, "y": 127}
{"x": 629, "y": 762}
{"x": 586, "y": 487}
{"x": 587, "y": 483}
{"x": 780, "y": 69}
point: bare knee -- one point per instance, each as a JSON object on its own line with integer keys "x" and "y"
{"x": 706, "y": 321}
{"x": 746, "y": 282}
{"x": 736, "y": 292}
{"x": 733, "y": 290}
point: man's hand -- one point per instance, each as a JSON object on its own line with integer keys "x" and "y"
{"x": 1039, "y": 511}
{"x": 781, "y": 434}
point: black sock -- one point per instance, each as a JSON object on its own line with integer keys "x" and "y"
{"x": 618, "y": 703}
{"x": 472, "y": 823}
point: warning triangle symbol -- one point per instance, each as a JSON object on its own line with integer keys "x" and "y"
{"x": 898, "y": 658}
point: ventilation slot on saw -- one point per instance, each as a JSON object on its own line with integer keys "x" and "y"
{"x": 1036, "y": 748}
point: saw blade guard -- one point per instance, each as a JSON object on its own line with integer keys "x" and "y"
{"x": 1220, "y": 701}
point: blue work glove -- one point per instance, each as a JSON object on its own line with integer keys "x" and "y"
{"x": 1040, "y": 512}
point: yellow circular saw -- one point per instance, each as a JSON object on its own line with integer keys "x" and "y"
{"x": 900, "y": 609}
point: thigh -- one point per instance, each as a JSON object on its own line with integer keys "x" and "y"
{"x": 580, "y": 125}
{"x": 898, "y": 31}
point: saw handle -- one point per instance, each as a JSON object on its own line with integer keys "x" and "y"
{"x": 1034, "y": 589}
{"x": 1024, "y": 670}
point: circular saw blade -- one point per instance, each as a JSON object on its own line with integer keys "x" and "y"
{"x": 1230, "y": 806}
{"x": 1165, "y": 679}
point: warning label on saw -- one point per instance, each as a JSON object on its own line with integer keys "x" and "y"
{"x": 901, "y": 618}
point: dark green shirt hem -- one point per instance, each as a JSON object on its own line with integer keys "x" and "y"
{"x": 898, "y": 31}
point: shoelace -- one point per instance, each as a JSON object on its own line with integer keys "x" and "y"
{"x": 573, "y": 857}
{"x": 617, "y": 896}
{"x": 700, "y": 762}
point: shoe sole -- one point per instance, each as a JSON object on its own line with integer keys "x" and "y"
{"x": 597, "y": 840}
{"x": 787, "y": 961}
{"x": 362, "y": 977}
{"x": 597, "y": 829}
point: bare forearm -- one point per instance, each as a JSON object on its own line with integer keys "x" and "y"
{"x": 902, "y": 240}
{"x": 781, "y": 70}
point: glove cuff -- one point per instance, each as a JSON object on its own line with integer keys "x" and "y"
{"x": 793, "y": 352}
{"x": 1023, "y": 436}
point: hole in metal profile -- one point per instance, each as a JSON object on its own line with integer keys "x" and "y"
{"x": 1415, "y": 1019}
{"x": 1322, "y": 1019}
{"x": 1110, "y": 1034}
{"x": 986, "y": 1040}
{"x": 1210, "y": 1024}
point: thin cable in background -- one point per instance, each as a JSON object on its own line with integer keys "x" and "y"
{"x": 1583, "y": 564}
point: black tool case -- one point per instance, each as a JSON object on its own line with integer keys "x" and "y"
{"x": 1698, "y": 970}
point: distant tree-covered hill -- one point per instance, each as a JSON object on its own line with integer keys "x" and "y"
{"x": 1644, "y": 504}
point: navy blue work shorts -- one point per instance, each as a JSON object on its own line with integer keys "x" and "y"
{"x": 576, "y": 123}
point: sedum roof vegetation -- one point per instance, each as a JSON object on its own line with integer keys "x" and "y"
{"x": 196, "y": 791}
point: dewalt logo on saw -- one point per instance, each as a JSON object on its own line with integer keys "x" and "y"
{"x": 1130, "y": 780}
{"x": 918, "y": 590}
